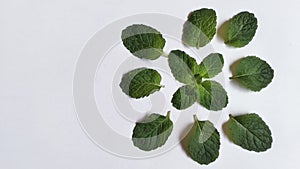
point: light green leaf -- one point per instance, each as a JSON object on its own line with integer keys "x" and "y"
{"x": 212, "y": 95}
{"x": 143, "y": 41}
{"x": 211, "y": 65}
{"x": 184, "y": 97}
{"x": 152, "y": 132}
{"x": 250, "y": 132}
{"x": 241, "y": 30}
{"x": 253, "y": 73}
{"x": 200, "y": 27}
{"x": 183, "y": 67}
{"x": 140, "y": 82}
{"x": 203, "y": 142}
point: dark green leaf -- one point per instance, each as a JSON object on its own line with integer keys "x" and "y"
{"x": 212, "y": 95}
{"x": 140, "y": 82}
{"x": 241, "y": 30}
{"x": 183, "y": 66}
{"x": 253, "y": 73}
{"x": 200, "y": 27}
{"x": 152, "y": 132}
{"x": 203, "y": 142}
{"x": 211, "y": 65}
{"x": 143, "y": 41}
{"x": 184, "y": 97}
{"x": 250, "y": 132}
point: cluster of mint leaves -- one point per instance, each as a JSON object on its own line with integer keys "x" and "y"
{"x": 202, "y": 142}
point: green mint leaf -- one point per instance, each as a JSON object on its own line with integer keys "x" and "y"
{"x": 250, "y": 132}
{"x": 184, "y": 97}
{"x": 200, "y": 27}
{"x": 212, "y": 95}
{"x": 143, "y": 41}
{"x": 140, "y": 82}
{"x": 203, "y": 142}
{"x": 253, "y": 73}
{"x": 241, "y": 30}
{"x": 183, "y": 67}
{"x": 152, "y": 132}
{"x": 211, "y": 65}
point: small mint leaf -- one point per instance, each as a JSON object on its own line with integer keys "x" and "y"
{"x": 184, "y": 97}
{"x": 143, "y": 41}
{"x": 140, "y": 82}
{"x": 211, "y": 65}
{"x": 200, "y": 27}
{"x": 241, "y": 30}
{"x": 203, "y": 142}
{"x": 212, "y": 95}
{"x": 183, "y": 67}
{"x": 253, "y": 73}
{"x": 250, "y": 132}
{"x": 152, "y": 132}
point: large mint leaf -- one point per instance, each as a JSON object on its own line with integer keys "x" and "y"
{"x": 140, "y": 82}
{"x": 200, "y": 27}
{"x": 253, "y": 73}
{"x": 250, "y": 132}
{"x": 152, "y": 132}
{"x": 143, "y": 41}
{"x": 212, "y": 95}
{"x": 211, "y": 65}
{"x": 241, "y": 30}
{"x": 203, "y": 142}
{"x": 183, "y": 67}
{"x": 184, "y": 97}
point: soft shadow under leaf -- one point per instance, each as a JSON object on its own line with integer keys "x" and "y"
{"x": 226, "y": 130}
{"x": 186, "y": 138}
{"x": 222, "y": 31}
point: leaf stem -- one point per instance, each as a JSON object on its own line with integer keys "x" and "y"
{"x": 198, "y": 78}
{"x": 164, "y": 54}
{"x": 168, "y": 114}
{"x": 195, "y": 117}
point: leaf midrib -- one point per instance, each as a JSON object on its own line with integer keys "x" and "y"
{"x": 211, "y": 67}
{"x": 247, "y": 129}
{"x": 155, "y": 128}
{"x": 245, "y": 75}
{"x": 142, "y": 86}
{"x": 236, "y": 34}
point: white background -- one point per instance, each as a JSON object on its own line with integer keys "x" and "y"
{"x": 40, "y": 42}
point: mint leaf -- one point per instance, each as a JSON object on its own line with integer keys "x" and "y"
{"x": 241, "y": 30}
{"x": 200, "y": 27}
{"x": 152, "y": 132}
{"x": 183, "y": 67}
{"x": 253, "y": 73}
{"x": 212, "y": 95}
{"x": 203, "y": 142}
{"x": 250, "y": 132}
{"x": 140, "y": 82}
{"x": 184, "y": 97}
{"x": 143, "y": 41}
{"x": 211, "y": 65}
